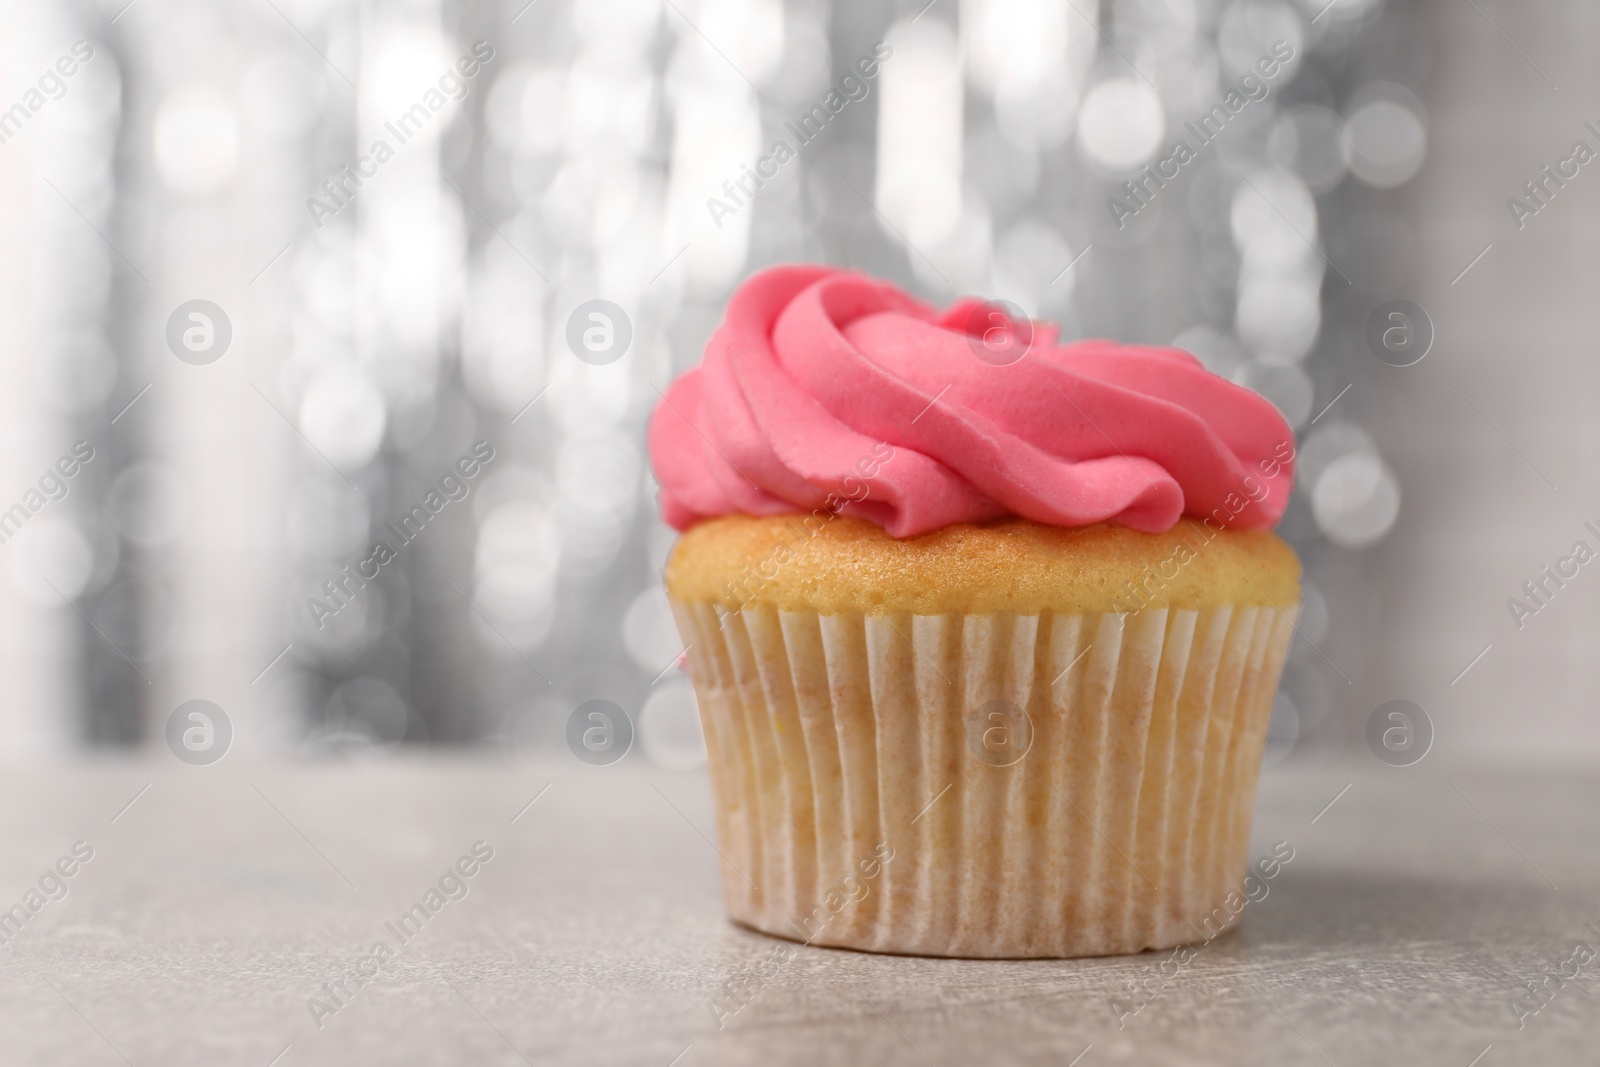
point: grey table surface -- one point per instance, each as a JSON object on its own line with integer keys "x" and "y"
{"x": 221, "y": 899}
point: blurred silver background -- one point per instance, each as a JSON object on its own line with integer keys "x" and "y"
{"x": 377, "y": 335}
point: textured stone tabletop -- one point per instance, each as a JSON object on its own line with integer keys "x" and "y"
{"x": 228, "y": 915}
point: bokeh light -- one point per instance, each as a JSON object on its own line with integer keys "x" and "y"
{"x": 1384, "y": 142}
{"x": 1120, "y": 123}
{"x": 1357, "y": 499}
{"x": 196, "y": 139}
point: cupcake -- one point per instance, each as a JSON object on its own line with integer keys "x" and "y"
{"x": 984, "y": 628}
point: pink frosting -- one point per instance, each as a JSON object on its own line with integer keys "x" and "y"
{"x": 827, "y": 389}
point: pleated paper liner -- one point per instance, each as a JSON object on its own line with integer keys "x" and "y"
{"x": 995, "y": 786}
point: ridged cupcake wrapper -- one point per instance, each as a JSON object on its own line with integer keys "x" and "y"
{"x": 866, "y": 795}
